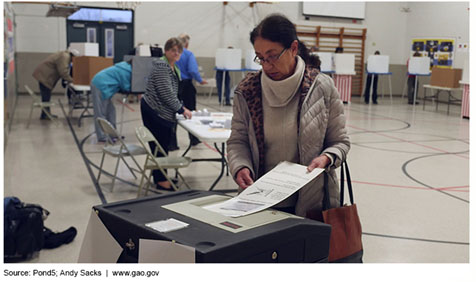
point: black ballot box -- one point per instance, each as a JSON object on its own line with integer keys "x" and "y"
{"x": 267, "y": 236}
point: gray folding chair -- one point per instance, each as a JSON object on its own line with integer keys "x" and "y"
{"x": 37, "y": 103}
{"x": 119, "y": 150}
{"x": 160, "y": 163}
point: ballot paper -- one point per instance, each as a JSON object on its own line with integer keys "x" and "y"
{"x": 170, "y": 224}
{"x": 273, "y": 187}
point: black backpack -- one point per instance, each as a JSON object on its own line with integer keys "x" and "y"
{"x": 23, "y": 229}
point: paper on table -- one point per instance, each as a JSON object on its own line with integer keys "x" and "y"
{"x": 167, "y": 225}
{"x": 273, "y": 187}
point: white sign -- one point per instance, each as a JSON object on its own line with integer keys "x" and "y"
{"x": 419, "y": 65}
{"x": 249, "y": 60}
{"x": 378, "y": 64}
{"x": 326, "y": 61}
{"x": 226, "y": 58}
{"x": 344, "y": 64}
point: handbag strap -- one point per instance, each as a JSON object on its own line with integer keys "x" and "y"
{"x": 326, "y": 201}
{"x": 345, "y": 167}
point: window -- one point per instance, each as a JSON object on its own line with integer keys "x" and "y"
{"x": 91, "y": 35}
{"x": 109, "y": 46}
{"x": 104, "y": 15}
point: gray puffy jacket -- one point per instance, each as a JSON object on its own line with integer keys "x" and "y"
{"x": 321, "y": 130}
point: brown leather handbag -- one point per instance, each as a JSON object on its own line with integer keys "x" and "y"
{"x": 346, "y": 233}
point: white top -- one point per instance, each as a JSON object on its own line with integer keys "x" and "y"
{"x": 81, "y": 87}
{"x": 440, "y": 87}
{"x": 208, "y": 128}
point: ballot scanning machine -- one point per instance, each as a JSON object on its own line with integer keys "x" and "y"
{"x": 266, "y": 236}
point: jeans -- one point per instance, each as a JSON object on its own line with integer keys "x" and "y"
{"x": 374, "y": 88}
{"x": 411, "y": 89}
{"x": 45, "y": 97}
{"x": 219, "y": 79}
{"x": 102, "y": 109}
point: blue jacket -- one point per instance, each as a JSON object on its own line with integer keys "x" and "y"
{"x": 188, "y": 66}
{"x": 111, "y": 80}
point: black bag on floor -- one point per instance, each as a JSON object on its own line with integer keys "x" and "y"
{"x": 23, "y": 229}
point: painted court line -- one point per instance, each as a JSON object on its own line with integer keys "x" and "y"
{"x": 407, "y": 141}
{"x": 452, "y": 189}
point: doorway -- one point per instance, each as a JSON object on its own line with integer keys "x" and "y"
{"x": 112, "y": 29}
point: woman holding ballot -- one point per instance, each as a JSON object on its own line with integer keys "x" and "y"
{"x": 289, "y": 111}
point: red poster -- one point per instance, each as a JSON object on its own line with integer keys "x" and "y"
{"x": 11, "y": 67}
{"x": 9, "y": 25}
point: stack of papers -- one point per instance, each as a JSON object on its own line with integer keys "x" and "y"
{"x": 272, "y": 188}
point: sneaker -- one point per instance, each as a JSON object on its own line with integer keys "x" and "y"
{"x": 114, "y": 140}
{"x": 411, "y": 103}
{"x": 162, "y": 188}
{"x": 375, "y": 103}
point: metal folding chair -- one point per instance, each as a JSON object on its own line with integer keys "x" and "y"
{"x": 37, "y": 103}
{"x": 161, "y": 163}
{"x": 119, "y": 150}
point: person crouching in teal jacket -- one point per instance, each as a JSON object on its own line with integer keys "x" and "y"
{"x": 104, "y": 85}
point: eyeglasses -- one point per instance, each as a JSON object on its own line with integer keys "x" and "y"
{"x": 270, "y": 59}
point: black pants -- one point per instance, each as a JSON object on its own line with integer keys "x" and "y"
{"x": 374, "y": 88}
{"x": 45, "y": 97}
{"x": 161, "y": 132}
{"x": 411, "y": 89}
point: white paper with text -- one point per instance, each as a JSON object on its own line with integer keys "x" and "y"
{"x": 272, "y": 188}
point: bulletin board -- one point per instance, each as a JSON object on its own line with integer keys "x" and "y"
{"x": 441, "y": 51}
{"x": 9, "y": 47}
{"x": 9, "y": 72}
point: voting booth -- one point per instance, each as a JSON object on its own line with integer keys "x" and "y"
{"x": 344, "y": 69}
{"x": 179, "y": 221}
{"x": 465, "y": 95}
{"x": 226, "y": 58}
{"x": 419, "y": 65}
{"x": 141, "y": 69}
{"x": 249, "y": 60}
{"x": 378, "y": 64}
{"x": 326, "y": 61}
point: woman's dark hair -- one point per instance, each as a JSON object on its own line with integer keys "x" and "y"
{"x": 277, "y": 28}
{"x": 172, "y": 42}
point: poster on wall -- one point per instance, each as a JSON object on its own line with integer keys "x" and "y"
{"x": 9, "y": 47}
{"x": 440, "y": 51}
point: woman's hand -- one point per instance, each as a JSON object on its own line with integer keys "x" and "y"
{"x": 187, "y": 113}
{"x": 320, "y": 162}
{"x": 243, "y": 178}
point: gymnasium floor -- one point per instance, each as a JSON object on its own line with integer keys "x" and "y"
{"x": 409, "y": 167}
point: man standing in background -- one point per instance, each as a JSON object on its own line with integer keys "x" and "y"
{"x": 48, "y": 73}
{"x": 187, "y": 93}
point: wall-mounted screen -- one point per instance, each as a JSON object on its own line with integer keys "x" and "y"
{"x": 352, "y": 10}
